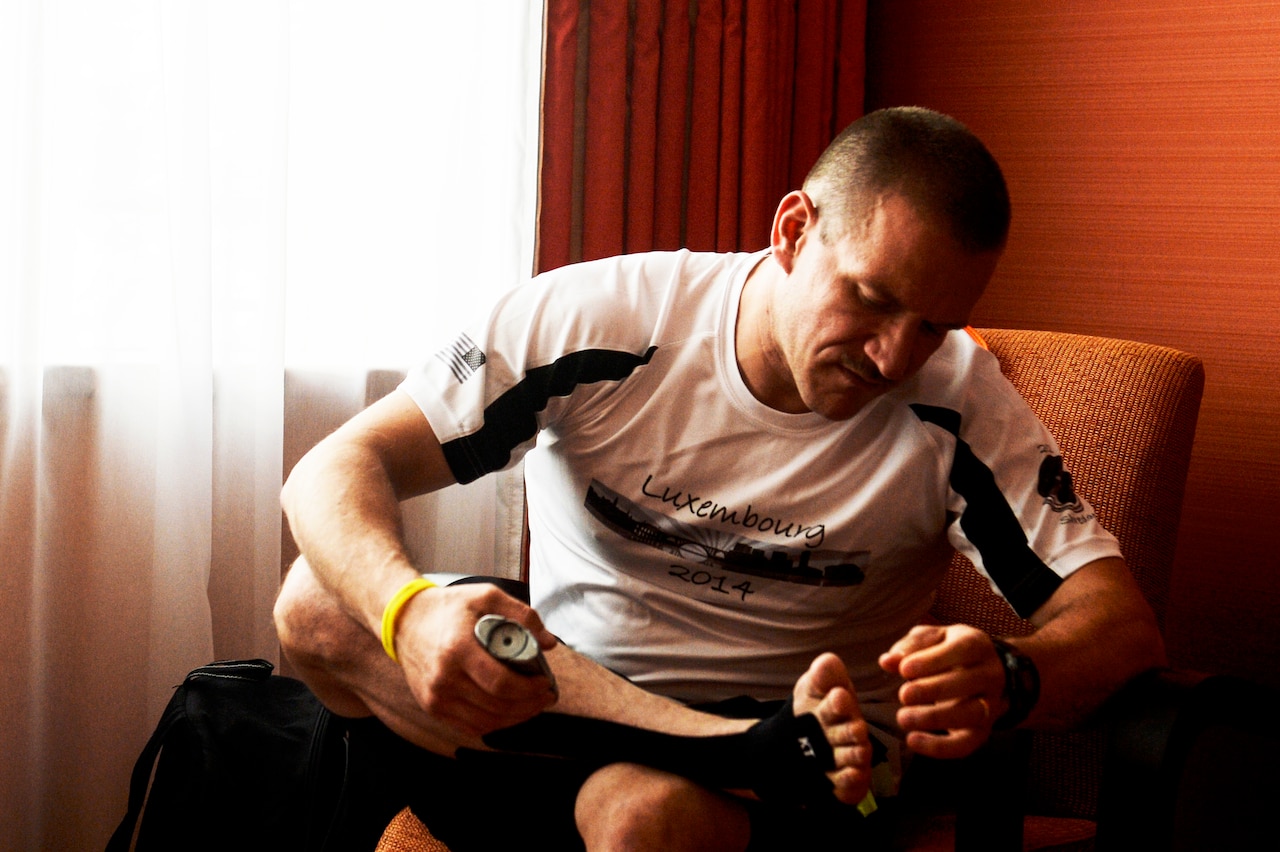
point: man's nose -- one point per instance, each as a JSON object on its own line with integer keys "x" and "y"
{"x": 891, "y": 350}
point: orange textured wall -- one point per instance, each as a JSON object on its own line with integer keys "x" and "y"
{"x": 1141, "y": 142}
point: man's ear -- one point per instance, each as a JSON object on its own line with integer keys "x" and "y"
{"x": 796, "y": 216}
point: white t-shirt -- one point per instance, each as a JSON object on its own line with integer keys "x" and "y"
{"x": 705, "y": 545}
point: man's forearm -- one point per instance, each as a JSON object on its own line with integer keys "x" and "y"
{"x": 1090, "y": 645}
{"x": 345, "y": 518}
{"x": 343, "y": 502}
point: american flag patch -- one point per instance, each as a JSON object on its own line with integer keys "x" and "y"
{"x": 463, "y": 358}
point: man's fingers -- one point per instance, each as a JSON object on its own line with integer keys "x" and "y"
{"x": 973, "y": 711}
{"x": 945, "y": 745}
{"x": 472, "y": 692}
{"x": 958, "y": 646}
{"x": 948, "y": 729}
{"x": 917, "y": 639}
{"x": 950, "y": 685}
{"x": 474, "y": 711}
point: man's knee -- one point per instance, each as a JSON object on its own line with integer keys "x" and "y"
{"x": 311, "y": 626}
{"x": 625, "y": 806}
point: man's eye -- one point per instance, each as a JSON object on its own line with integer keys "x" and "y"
{"x": 873, "y": 303}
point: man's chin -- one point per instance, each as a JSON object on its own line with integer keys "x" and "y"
{"x": 845, "y": 406}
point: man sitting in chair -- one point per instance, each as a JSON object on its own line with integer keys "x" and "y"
{"x": 745, "y": 474}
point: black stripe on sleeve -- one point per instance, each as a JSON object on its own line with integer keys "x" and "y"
{"x": 989, "y": 522}
{"x": 511, "y": 419}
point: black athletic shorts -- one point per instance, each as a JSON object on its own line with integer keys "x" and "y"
{"x": 489, "y": 802}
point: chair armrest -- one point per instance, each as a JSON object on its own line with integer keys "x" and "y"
{"x": 1191, "y": 763}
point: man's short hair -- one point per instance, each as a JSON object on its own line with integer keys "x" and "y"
{"x": 931, "y": 159}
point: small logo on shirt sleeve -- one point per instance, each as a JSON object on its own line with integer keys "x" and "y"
{"x": 1056, "y": 487}
{"x": 463, "y": 358}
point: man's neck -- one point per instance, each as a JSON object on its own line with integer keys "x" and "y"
{"x": 755, "y": 347}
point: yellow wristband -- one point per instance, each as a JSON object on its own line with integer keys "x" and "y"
{"x": 392, "y": 612}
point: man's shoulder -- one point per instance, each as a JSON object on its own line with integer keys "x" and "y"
{"x": 644, "y": 288}
{"x": 960, "y": 369}
{"x": 965, "y": 379}
{"x": 651, "y": 266}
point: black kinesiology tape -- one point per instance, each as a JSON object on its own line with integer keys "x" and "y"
{"x": 781, "y": 759}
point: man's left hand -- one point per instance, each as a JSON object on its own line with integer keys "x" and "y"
{"x": 954, "y": 689}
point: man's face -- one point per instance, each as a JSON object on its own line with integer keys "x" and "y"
{"x": 859, "y": 316}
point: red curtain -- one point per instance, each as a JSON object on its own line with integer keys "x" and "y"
{"x": 670, "y": 123}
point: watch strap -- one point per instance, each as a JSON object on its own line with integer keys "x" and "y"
{"x": 1021, "y": 685}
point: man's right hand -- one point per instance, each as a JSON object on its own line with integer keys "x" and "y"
{"x": 452, "y": 677}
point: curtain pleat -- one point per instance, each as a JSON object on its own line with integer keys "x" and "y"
{"x": 670, "y": 123}
{"x": 764, "y": 127}
{"x": 646, "y": 59}
{"x": 672, "y": 141}
{"x": 704, "y": 133}
{"x": 605, "y": 182}
{"x": 556, "y": 168}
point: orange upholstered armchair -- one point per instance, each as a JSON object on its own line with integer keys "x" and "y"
{"x": 1125, "y": 415}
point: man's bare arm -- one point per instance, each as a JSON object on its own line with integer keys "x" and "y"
{"x": 343, "y": 504}
{"x": 1091, "y": 636}
{"x": 343, "y": 498}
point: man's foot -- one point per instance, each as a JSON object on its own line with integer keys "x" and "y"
{"x": 826, "y": 691}
{"x": 815, "y": 747}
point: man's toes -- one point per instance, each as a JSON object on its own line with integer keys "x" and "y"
{"x": 825, "y": 673}
{"x": 856, "y": 757}
{"x": 837, "y": 706}
{"x": 852, "y": 733}
{"x": 850, "y": 785}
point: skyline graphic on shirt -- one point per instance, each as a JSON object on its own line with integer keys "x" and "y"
{"x": 722, "y": 548}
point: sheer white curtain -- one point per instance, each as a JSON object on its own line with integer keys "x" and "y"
{"x": 215, "y": 218}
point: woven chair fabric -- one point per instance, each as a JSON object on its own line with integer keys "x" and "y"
{"x": 406, "y": 833}
{"x": 1124, "y": 414}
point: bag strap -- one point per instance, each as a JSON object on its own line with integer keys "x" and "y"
{"x": 122, "y": 839}
{"x": 140, "y": 779}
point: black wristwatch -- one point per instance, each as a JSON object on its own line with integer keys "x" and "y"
{"x": 1021, "y": 685}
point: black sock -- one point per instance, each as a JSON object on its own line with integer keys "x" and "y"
{"x": 782, "y": 759}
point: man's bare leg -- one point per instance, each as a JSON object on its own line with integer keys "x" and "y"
{"x": 626, "y": 806}
{"x": 347, "y": 669}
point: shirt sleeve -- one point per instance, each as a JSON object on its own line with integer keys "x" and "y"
{"x": 1016, "y": 513}
{"x": 544, "y": 348}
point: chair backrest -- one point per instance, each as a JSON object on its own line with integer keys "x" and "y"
{"x": 1124, "y": 414}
